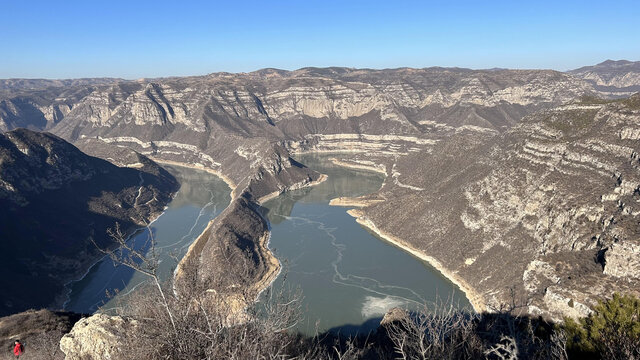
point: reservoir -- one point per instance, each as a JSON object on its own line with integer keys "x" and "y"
{"x": 348, "y": 276}
{"x": 202, "y": 196}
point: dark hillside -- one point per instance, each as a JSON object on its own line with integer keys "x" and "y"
{"x": 53, "y": 200}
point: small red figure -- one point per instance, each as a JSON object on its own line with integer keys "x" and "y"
{"x": 18, "y": 349}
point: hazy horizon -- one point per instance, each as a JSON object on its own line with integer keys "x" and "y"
{"x": 319, "y": 67}
{"x": 162, "y": 39}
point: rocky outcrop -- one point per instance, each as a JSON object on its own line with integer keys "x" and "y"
{"x": 56, "y": 201}
{"x": 231, "y": 255}
{"x": 622, "y": 260}
{"x": 99, "y": 337}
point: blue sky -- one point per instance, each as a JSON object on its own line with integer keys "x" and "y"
{"x": 133, "y": 39}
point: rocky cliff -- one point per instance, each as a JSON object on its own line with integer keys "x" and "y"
{"x": 229, "y": 122}
{"x": 546, "y": 210}
{"x": 99, "y": 337}
{"x": 53, "y": 200}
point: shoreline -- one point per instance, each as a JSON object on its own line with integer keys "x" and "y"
{"x": 475, "y": 299}
{"x": 272, "y": 264}
{"x": 232, "y": 185}
{"x": 275, "y": 266}
{"x": 358, "y": 202}
{"x": 380, "y": 170}
{"x": 67, "y": 289}
{"x": 296, "y": 186}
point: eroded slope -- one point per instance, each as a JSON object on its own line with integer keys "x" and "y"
{"x": 548, "y": 209}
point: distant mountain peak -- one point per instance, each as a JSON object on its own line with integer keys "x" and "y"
{"x": 610, "y": 62}
{"x": 613, "y": 76}
{"x": 609, "y": 65}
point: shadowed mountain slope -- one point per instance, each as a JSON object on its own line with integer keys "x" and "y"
{"x": 53, "y": 200}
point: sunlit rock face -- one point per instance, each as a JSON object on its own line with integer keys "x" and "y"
{"x": 548, "y": 208}
{"x": 98, "y": 337}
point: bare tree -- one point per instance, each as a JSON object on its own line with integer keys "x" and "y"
{"x": 442, "y": 331}
{"x": 512, "y": 334}
{"x": 209, "y": 316}
{"x": 125, "y": 253}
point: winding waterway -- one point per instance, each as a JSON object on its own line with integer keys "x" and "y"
{"x": 348, "y": 276}
{"x": 202, "y": 196}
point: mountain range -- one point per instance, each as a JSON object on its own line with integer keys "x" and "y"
{"x": 507, "y": 180}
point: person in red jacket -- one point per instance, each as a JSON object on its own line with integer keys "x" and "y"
{"x": 18, "y": 349}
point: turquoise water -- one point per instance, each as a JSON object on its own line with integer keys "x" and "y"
{"x": 202, "y": 196}
{"x": 348, "y": 276}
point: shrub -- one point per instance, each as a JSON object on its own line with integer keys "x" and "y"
{"x": 612, "y": 331}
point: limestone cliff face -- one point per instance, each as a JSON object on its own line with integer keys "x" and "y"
{"x": 39, "y": 107}
{"x": 618, "y": 81}
{"x": 301, "y": 102}
{"x": 547, "y": 208}
{"x": 25, "y": 113}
